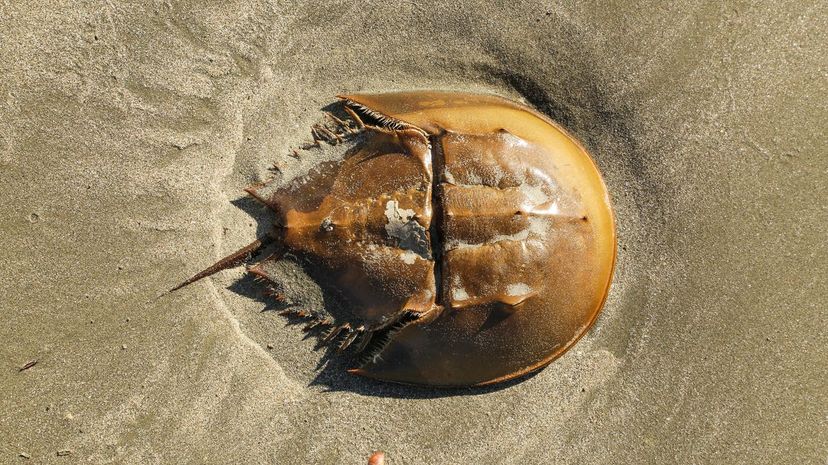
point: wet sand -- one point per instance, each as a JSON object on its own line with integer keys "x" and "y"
{"x": 128, "y": 132}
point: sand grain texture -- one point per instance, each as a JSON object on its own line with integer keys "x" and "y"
{"x": 128, "y": 130}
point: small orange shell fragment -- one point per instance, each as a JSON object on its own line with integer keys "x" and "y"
{"x": 377, "y": 458}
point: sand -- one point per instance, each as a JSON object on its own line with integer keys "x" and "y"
{"x": 128, "y": 131}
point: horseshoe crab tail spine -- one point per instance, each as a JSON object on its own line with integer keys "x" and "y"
{"x": 234, "y": 259}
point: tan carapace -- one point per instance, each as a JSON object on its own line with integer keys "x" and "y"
{"x": 471, "y": 237}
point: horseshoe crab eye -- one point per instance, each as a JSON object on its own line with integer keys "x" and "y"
{"x": 327, "y": 225}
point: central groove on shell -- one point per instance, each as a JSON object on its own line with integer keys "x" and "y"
{"x": 437, "y": 168}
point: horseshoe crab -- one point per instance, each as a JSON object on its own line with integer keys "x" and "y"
{"x": 471, "y": 236}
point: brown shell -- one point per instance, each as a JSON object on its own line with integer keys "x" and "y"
{"x": 471, "y": 237}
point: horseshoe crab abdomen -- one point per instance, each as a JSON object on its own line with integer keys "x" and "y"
{"x": 370, "y": 233}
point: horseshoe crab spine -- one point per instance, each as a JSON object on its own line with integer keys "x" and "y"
{"x": 234, "y": 259}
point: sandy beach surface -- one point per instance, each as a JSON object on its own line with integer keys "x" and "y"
{"x": 128, "y": 131}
